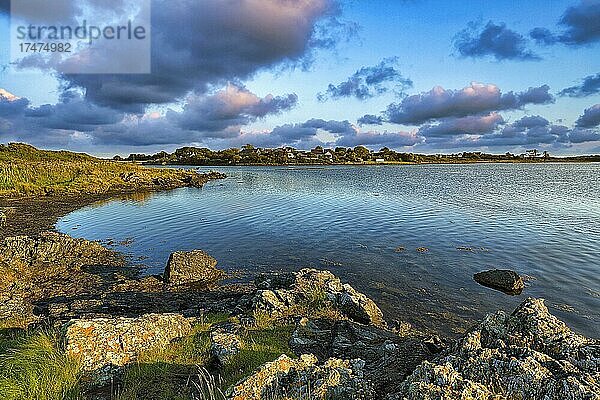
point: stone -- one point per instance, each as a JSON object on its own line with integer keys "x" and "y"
{"x": 194, "y": 267}
{"x": 388, "y": 358}
{"x": 529, "y": 355}
{"x": 225, "y": 342}
{"x": 107, "y": 342}
{"x": 504, "y": 280}
{"x": 312, "y": 289}
{"x": 305, "y": 379}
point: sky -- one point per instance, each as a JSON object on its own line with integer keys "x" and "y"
{"x": 423, "y": 76}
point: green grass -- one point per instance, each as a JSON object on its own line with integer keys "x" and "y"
{"x": 26, "y": 171}
{"x": 35, "y": 367}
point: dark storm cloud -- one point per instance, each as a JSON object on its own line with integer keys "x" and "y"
{"x": 199, "y": 44}
{"x": 232, "y": 106}
{"x": 472, "y": 100}
{"x": 494, "y": 40}
{"x": 589, "y": 86}
{"x": 580, "y": 23}
{"x": 369, "y": 82}
{"x": 590, "y": 117}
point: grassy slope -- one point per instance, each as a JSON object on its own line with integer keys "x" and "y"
{"x": 25, "y": 170}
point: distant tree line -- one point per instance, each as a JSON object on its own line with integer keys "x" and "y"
{"x": 249, "y": 154}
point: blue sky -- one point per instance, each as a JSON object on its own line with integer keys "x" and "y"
{"x": 270, "y": 97}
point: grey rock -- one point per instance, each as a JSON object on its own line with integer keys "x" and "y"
{"x": 305, "y": 379}
{"x": 389, "y": 358}
{"x": 527, "y": 355}
{"x": 504, "y": 280}
{"x": 194, "y": 267}
{"x": 225, "y": 342}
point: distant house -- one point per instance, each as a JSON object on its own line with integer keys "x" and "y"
{"x": 380, "y": 160}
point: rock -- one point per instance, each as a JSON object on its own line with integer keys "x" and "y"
{"x": 48, "y": 266}
{"x": 194, "y": 267}
{"x": 388, "y": 358}
{"x": 225, "y": 343}
{"x": 527, "y": 355}
{"x": 305, "y": 379}
{"x": 504, "y": 280}
{"x": 275, "y": 280}
{"x": 312, "y": 289}
{"x": 107, "y": 342}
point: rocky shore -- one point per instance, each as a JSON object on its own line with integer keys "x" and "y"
{"x": 303, "y": 335}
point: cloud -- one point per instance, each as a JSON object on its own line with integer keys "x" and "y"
{"x": 203, "y": 44}
{"x": 590, "y": 117}
{"x": 474, "y": 99}
{"x": 494, "y": 40}
{"x": 369, "y": 82}
{"x": 589, "y": 86}
{"x": 580, "y": 23}
{"x": 380, "y": 139}
{"x": 233, "y": 106}
{"x": 462, "y": 126}
{"x": 370, "y": 119}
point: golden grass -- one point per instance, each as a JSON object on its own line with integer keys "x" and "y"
{"x": 27, "y": 171}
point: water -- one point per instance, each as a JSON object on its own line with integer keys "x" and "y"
{"x": 542, "y": 220}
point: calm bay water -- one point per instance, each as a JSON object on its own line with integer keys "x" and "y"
{"x": 543, "y": 220}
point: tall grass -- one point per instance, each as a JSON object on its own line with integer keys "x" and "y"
{"x": 36, "y": 367}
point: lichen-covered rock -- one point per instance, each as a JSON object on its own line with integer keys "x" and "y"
{"x": 504, "y": 280}
{"x": 103, "y": 342}
{"x": 193, "y": 267}
{"x": 305, "y": 379}
{"x": 311, "y": 287}
{"x": 527, "y": 355}
{"x": 389, "y": 358}
{"x": 225, "y": 342}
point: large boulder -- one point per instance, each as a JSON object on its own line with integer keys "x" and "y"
{"x": 527, "y": 355}
{"x": 115, "y": 342}
{"x": 194, "y": 267}
{"x": 389, "y": 358}
{"x": 305, "y": 379}
{"x": 310, "y": 290}
{"x": 504, "y": 280}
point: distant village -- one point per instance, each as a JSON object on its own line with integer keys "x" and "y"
{"x": 250, "y": 155}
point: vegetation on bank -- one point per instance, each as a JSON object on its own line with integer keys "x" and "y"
{"x": 34, "y": 365}
{"x": 249, "y": 155}
{"x": 25, "y": 171}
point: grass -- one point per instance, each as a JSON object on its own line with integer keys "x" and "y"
{"x": 35, "y": 367}
{"x": 27, "y": 171}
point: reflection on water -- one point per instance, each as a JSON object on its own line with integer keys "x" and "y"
{"x": 366, "y": 224}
